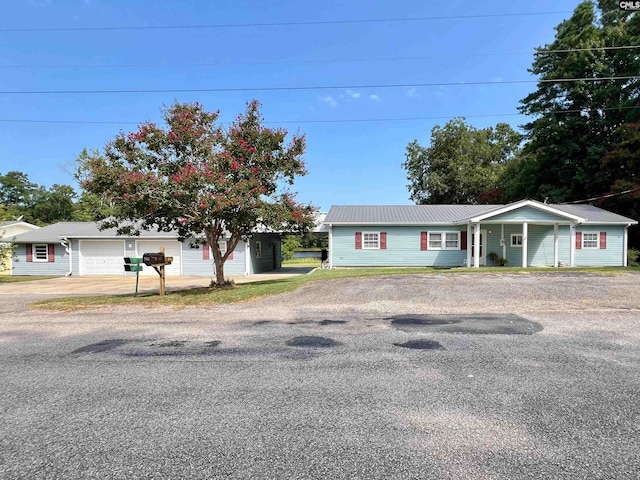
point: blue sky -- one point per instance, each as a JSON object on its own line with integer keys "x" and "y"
{"x": 349, "y": 162}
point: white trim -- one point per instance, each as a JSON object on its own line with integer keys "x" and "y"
{"x": 525, "y": 244}
{"x": 572, "y": 246}
{"x": 503, "y": 242}
{"x": 443, "y": 240}
{"x": 625, "y": 245}
{"x": 514, "y": 235}
{"x": 526, "y": 203}
{"x": 377, "y": 247}
{"x": 34, "y": 259}
{"x": 555, "y": 245}
{"x": 469, "y": 245}
{"x": 597, "y": 234}
{"x": 476, "y": 240}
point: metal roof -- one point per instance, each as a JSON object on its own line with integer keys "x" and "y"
{"x": 446, "y": 214}
{"x": 53, "y": 233}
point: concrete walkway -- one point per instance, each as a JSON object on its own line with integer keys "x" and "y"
{"x": 119, "y": 284}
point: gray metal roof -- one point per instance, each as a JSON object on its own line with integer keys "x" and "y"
{"x": 53, "y": 233}
{"x": 594, "y": 214}
{"x": 402, "y": 214}
{"x": 445, "y": 214}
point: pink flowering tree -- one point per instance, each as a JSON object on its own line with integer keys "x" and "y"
{"x": 196, "y": 178}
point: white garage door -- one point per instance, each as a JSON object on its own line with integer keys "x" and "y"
{"x": 101, "y": 257}
{"x": 171, "y": 249}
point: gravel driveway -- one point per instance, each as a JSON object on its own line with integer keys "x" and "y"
{"x": 425, "y": 376}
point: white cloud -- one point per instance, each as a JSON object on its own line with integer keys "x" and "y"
{"x": 329, "y": 100}
{"x": 374, "y": 98}
{"x": 412, "y": 93}
{"x": 353, "y": 94}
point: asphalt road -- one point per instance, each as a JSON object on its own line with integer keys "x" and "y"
{"x": 451, "y": 376}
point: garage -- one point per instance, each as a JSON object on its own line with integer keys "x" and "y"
{"x": 101, "y": 257}
{"x": 171, "y": 249}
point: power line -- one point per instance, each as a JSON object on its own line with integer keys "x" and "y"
{"x": 319, "y": 61}
{"x": 277, "y": 24}
{"x": 601, "y": 197}
{"x": 317, "y": 87}
{"x": 353, "y": 120}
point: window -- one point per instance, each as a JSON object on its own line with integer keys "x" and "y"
{"x": 589, "y": 240}
{"x": 451, "y": 240}
{"x": 41, "y": 252}
{"x": 444, "y": 240}
{"x": 258, "y": 249}
{"x": 516, "y": 240}
{"x": 371, "y": 241}
{"x": 222, "y": 245}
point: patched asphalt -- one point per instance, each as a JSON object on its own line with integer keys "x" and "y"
{"x": 444, "y": 376}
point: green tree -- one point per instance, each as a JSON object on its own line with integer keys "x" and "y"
{"x": 461, "y": 164}
{"x": 576, "y": 119}
{"x": 196, "y": 178}
{"x": 290, "y": 244}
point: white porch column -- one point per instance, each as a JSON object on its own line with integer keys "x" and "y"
{"x": 555, "y": 244}
{"x": 572, "y": 247}
{"x": 476, "y": 245}
{"x": 330, "y": 247}
{"x": 525, "y": 250}
{"x": 469, "y": 231}
{"x": 625, "y": 244}
{"x": 503, "y": 241}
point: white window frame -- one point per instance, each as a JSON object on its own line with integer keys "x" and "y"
{"x": 34, "y": 253}
{"x": 222, "y": 245}
{"x": 514, "y": 236}
{"x": 258, "y": 249}
{"x": 443, "y": 240}
{"x": 364, "y": 242}
{"x": 597, "y": 240}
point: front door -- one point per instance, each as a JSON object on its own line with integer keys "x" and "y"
{"x": 483, "y": 236}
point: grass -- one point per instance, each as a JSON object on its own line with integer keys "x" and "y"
{"x": 22, "y": 278}
{"x": 252, "y": 291}
{"x": 301, "y": 262}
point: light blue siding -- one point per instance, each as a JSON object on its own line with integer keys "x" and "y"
{"x": 20, "y": 266}
{"x": 403, "y": 248}
{"x": 194, "y": 264}
{"x": 527, "y": 214}
{"x": 611, "y": 256}
{"x": 270, "y": 255}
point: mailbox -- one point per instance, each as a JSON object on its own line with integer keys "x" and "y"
{"x": 150, "y": 259}
{"x": 132, "y": 264}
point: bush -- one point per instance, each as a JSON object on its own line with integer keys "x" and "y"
{"x": 633, "y": 257}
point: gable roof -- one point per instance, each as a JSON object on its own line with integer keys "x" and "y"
{"x": 456, "y": 214}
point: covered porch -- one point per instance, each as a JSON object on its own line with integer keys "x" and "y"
{"x": 523, "y": 234}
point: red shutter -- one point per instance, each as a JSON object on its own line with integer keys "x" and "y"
{"x": 29, "y": 252}
{"x": 205, "y": 251}
{"x": 230, "y": 257}
{"x": 423, "y": 240}
{"x": 603, "y": 240}
{"x": 578, "y": 240}
{"x": 383, "y": 240}
{"x": 463, "y": 240}
{"x": 52, "y": 252}
{"x": 358, "y": 240}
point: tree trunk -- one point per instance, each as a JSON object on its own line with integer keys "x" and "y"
{"x": 219, "y": 263}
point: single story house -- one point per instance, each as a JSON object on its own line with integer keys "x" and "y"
{"x": 524, "y": 233}
{"x": 8, "y": 230}
{"x": 81, "y": 248}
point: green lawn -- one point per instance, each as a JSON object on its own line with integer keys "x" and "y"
{"x": 22, "y": 278}
{"x": 251, "y": 291}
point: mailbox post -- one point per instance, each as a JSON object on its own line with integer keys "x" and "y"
{"x": 133, "y": 264}
{"x": 158, "y": 261}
